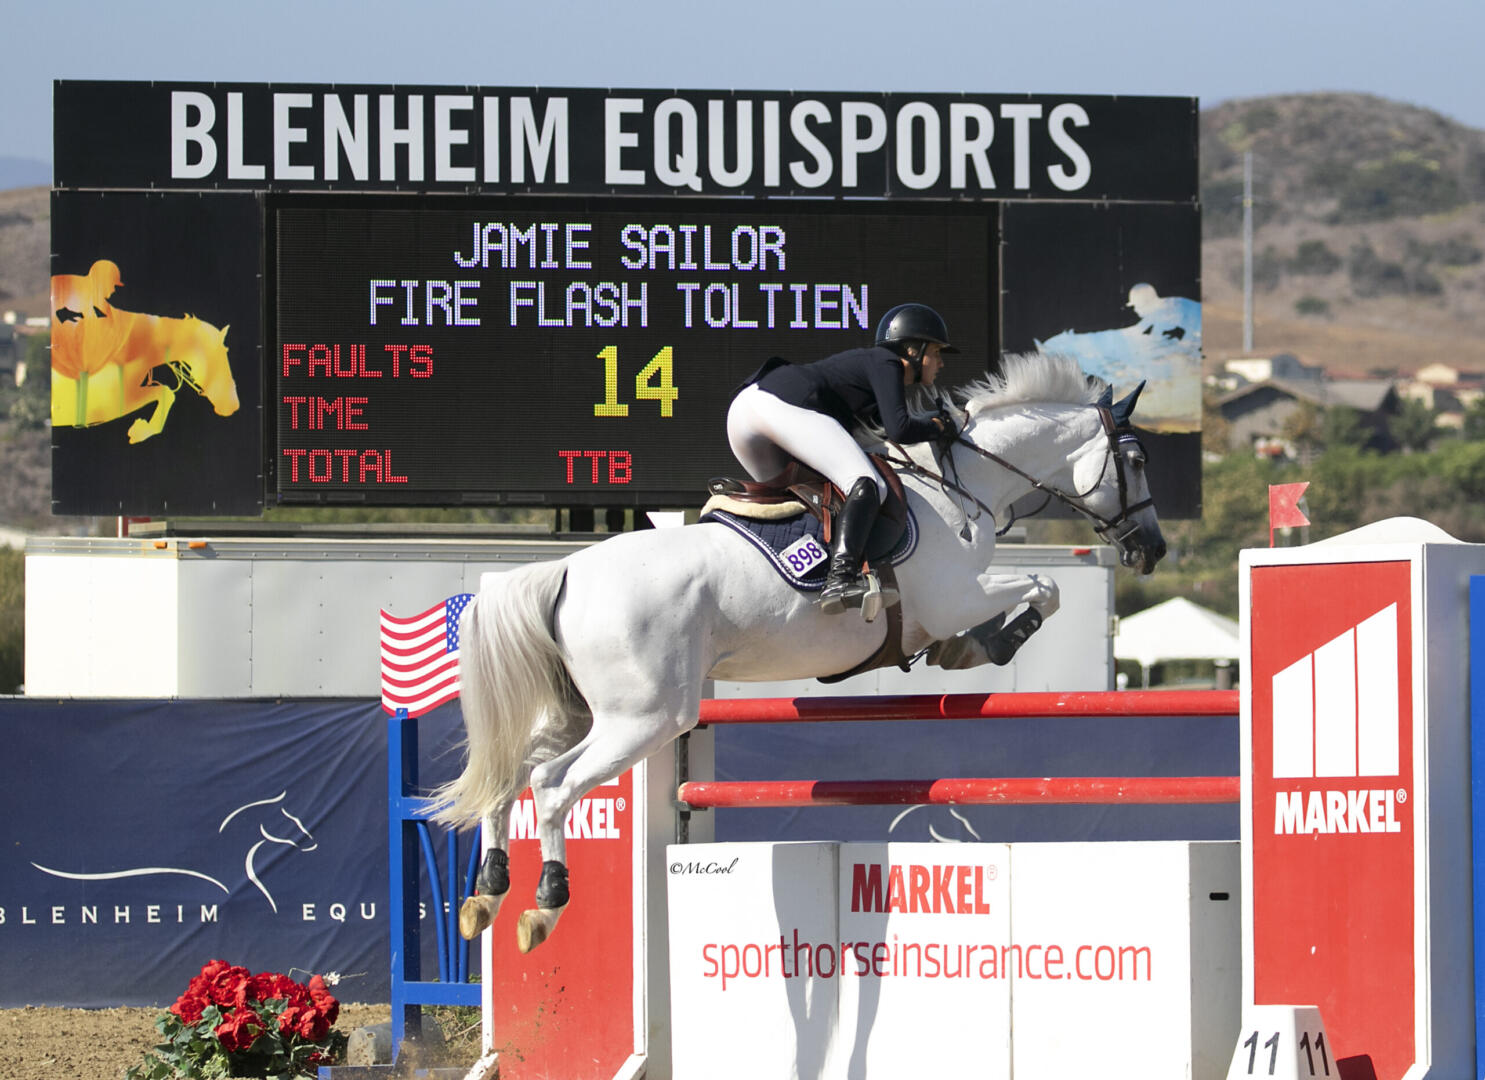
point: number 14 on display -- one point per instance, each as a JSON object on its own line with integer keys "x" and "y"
{"x": 655, "y": 382}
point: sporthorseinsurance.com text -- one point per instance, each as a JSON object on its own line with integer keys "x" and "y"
{"x": 923, "y": 960}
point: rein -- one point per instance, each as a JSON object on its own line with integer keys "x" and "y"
{"x": 1115, "y": 434}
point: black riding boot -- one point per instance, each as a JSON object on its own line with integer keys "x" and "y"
{"x": 844, "y": 583}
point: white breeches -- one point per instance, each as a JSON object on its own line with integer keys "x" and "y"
{"x": 766, "y": 431}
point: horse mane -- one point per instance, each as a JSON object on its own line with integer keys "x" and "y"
{"x": 1031, "y": 376}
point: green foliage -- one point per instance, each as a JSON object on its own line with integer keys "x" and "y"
{"x": 1404, "y": 185}
{"x": 1348, "y": 488}
{"x": 12, "y": 619}
{"x": 1371, "y": 275}
{"x": 1414, "y": 427}
{"x": 1341, "y": 426}
{"x": 1312, "y": 305}
{"x": 1314, "y": 257}
{"x": 1457, "y": 250}
{"x": 29, "y": 406}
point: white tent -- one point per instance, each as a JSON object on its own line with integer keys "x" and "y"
{"x": 1175, "y": 630}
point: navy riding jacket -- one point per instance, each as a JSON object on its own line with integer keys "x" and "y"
{"x": 859, "y": 384}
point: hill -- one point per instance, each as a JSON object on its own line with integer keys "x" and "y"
{"x": 1369, "y": 232}
{"x": 25, "y": 246}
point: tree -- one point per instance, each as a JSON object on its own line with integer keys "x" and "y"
{"x": 1414, "y": 427}
{"x": 1341, "y": 426}
{"x": 1304, "y": 428}
{"x": 1474, "y": 420}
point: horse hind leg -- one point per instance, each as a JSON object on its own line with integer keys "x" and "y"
{"x": 493, "y": 880}
{"x": 607, "y": 751}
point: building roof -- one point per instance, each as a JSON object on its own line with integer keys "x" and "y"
{"x": 1363, "y": 395}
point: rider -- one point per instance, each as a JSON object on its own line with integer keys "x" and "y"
{"x": 806, "y": 411}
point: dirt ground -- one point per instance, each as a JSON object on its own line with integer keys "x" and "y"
{"x": 99, "y": 1044}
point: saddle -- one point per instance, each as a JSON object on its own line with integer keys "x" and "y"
{"x": 799, "y": 489}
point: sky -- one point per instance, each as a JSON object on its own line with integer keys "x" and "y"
{"x": 1428, "y": 53}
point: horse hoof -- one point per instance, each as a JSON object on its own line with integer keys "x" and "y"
{"x": 535, "y": 926}
{"x": 476, "y": 914}
{"x": 486, "y": 1068}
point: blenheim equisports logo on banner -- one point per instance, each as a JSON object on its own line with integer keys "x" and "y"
{"x": 1335, "y": 715}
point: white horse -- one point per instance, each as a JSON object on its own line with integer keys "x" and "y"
{"x": 576, "y": 670}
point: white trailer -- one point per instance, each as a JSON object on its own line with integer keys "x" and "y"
{"x": 223, "y": 616}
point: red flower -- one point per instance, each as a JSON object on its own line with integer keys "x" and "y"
{"x": 313, "y": 1025}
{"x": 239, "y": 1030}
{"x": 323, "y": 999}
{"x": 268, "y": 986}
{"x": 228, "y": 986}
{"x": 288, "y": 1020}
{"x": 190, "y": 1005}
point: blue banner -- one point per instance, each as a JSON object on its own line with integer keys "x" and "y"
{"x": 930, "y": 749}
{"x": 143, "y": 839}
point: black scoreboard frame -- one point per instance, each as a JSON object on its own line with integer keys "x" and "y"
{"x": 184, "y": 185}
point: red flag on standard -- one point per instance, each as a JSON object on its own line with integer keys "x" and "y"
{"x": 420, "y": 657}
{"x": 1283, "y": 507}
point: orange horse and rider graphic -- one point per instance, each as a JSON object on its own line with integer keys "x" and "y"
{"x": 107, "y": 362}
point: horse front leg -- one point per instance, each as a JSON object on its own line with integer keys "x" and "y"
{"x": 493, "y": 880}
{"x": 163, "y": 397}
{"x": 994, "y": 641}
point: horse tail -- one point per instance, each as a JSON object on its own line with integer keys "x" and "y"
{"x": 512, "y": 674}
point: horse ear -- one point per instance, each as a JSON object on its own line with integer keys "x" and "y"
{"x": 1125, "y": 408}
{"x": 1106, "y": 399}
{"x": 223, "y": 336}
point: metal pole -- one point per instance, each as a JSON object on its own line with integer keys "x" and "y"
{"x": 1248, "y": 253}
{"x": 1000, "y": 791}
{"x": 1110, "y": 703}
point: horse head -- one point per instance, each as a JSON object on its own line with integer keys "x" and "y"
{"x": 1120, "y": 505}
{"x": 199, "y": 355}
{"x": 1072, "y": 442}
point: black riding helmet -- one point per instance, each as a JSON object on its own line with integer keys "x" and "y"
{"x": 907, "y": 325}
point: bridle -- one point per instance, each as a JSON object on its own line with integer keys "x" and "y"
{"x": 1117, "y": 530}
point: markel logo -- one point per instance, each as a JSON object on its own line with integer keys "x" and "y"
{"x": 913, "y": 889}
{"x": 1335, "y": 714}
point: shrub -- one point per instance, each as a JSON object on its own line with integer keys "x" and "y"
{"x": 1314, "y": 257}
{"x": 1404, "y": 185}
{"x": 230, "y": 1022}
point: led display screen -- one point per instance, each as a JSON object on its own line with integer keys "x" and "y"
{"x": 575, "y": 351}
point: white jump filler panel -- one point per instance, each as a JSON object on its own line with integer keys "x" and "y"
{"x": 752, "y": 959}
{"x": 1032, "y": 961}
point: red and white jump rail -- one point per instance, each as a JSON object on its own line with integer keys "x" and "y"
{"x": 1101, "y": 790}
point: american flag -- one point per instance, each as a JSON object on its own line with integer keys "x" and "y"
{"x": 420, "y": 657}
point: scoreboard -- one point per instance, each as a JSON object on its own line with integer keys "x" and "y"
{"x": 441, "y": 296}
{"x": 573, "y": 351}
